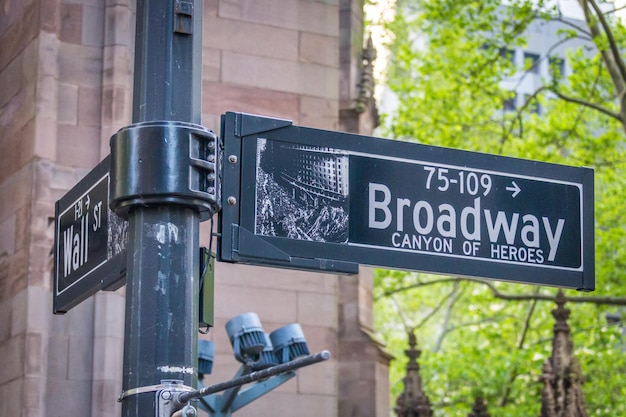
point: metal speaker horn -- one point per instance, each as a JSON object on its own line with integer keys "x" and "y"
{"x": 246, "y": 336}
{"x": 206, "y": 352}
{"x": 289, "y": 343}
{"x": 267, "y": 358}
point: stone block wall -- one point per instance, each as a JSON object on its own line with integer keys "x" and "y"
{"x": 65, "y": 87}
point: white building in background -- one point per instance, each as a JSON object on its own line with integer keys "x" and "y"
{"x": 544, "y": 57}
{"x": 545, "y": 48}
{"x": 546, "y": 51}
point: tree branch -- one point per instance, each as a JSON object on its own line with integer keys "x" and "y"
{"x": 573, "y": 332}
{"x": 543, "y": 57}
{"x": 589, "y": 104}
{"x": 518, "y": 117}
{"x": 437, "y": 308}
{"x": 492, "y": 319}
{"x": 612, "y": 66}
{"x": 615, "y": 301}
{"x": 617, "y": 9}
{"x": 609, "y": 34}
{"x": 446, "y": 321}
{"x": 580, "y": 112}
{"x": 520, "y": 345}
{"x": 405, "y": 322}
{"x": 529, "y": 315}
{"x": 572, "y": 25}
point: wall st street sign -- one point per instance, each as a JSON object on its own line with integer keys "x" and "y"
{"x": 313, "y": 199}
{"x": 89, "y": 242}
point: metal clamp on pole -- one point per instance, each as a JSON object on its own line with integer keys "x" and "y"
{"x": 172, "y": 385}
{"x": 167, "y": 406}
{"x": 165, "y": 162}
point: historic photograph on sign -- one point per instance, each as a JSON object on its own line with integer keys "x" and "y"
{"x": 118, "y": 235}
{"x": 301, "y": 192}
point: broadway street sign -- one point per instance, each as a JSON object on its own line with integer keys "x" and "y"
{"x": 313, "y": 199}
{"x": 89, "y": 242}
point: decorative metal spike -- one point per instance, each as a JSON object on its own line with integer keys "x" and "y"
{"x": 366, "y": 85}
{"x": 413, "y": 402}
{"x": 479, "y": 409}
{"x": 562, "y": 377}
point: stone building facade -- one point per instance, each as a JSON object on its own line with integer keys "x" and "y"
{"x": 65, "y": 87}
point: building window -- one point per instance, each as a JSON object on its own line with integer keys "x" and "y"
{"x": 508, "y": 54}
{"x": 531, "y": 62}
{"x": 533, "y": 105}
{"x": 509, "y": 104}
{"x": 557, "y": 67}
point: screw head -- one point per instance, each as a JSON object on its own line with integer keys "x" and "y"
{"x": 232, "y": 159}
{"x": 189, "y": 411}
{"x": 166, "y": 395}
{"x": 232, "y": 200}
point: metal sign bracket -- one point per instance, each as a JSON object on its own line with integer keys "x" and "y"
{"x": 247, "y": 246}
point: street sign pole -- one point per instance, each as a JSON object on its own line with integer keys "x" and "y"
{"x": 163, "y": 171}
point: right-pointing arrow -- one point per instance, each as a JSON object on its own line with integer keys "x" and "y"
{"x": 515, "y": 188}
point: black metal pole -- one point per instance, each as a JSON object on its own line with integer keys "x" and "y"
{"x": 160, "y": 340}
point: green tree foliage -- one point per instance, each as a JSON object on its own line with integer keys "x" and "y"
{"x": 448, "y": 61}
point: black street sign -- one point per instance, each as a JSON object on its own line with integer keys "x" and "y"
{"x": 89, "y": 242}
{"x": 305, "y": 198}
